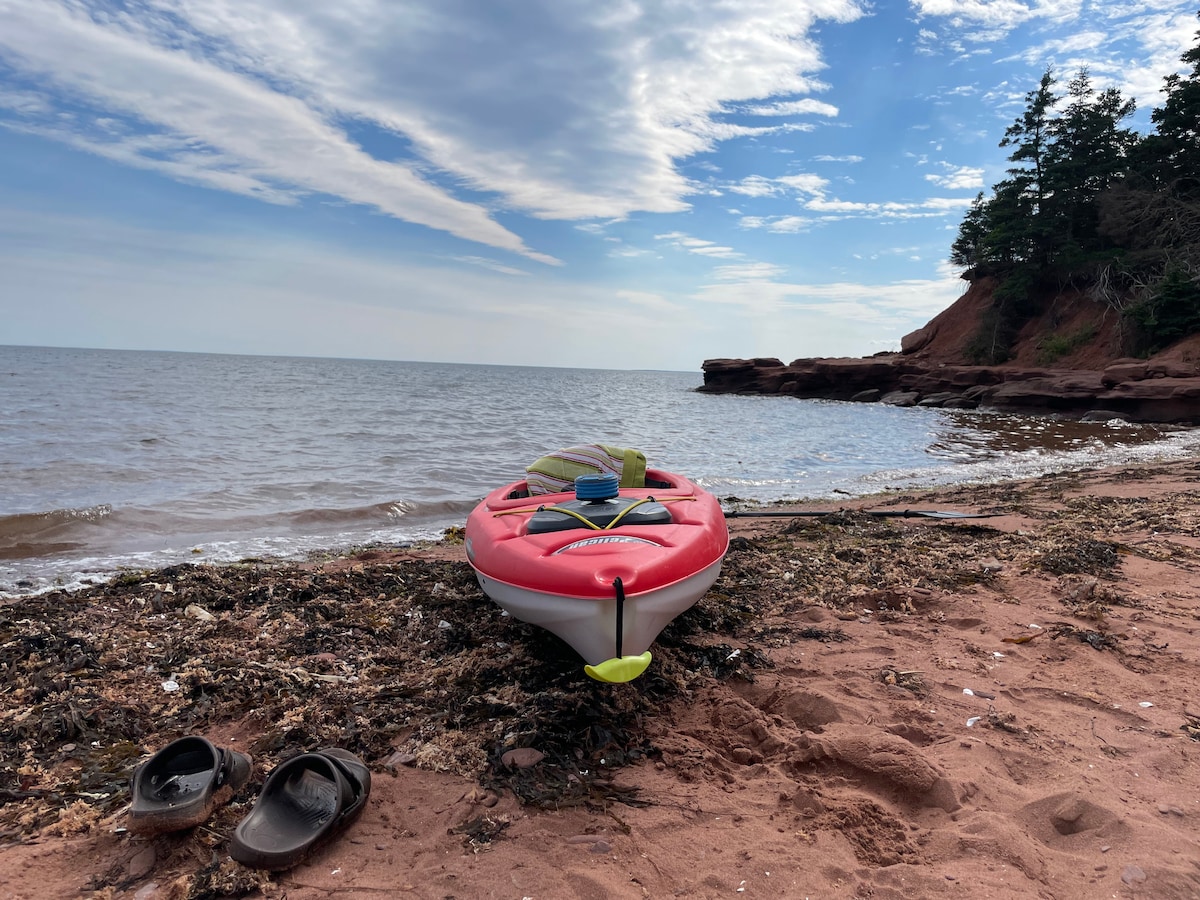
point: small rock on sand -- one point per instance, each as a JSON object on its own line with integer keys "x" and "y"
{"x": 1133, "y": 875}
{"x": 522, "y": 757}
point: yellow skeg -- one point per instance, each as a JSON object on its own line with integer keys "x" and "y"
{"x": 619, "y": 669}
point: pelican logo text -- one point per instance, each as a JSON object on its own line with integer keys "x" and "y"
{"x": 606, "y": 539}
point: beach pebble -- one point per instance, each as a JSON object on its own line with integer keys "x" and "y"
{"x": 600, "y": 847}
{"x": 192, "y": 611}
{"x": 147, "y": 891}
{"x": 1132, "y": 875}
{"x": 744, "y": 756}
{"x": 400, "y": 759}
{"x": 522, "y": 757}
{"x": 142, "y": 863}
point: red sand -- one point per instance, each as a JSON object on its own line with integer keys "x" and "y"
{"x": 929, "y": 755}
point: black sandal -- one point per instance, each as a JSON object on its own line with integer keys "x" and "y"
{"x": 305, "y": 802}
{"x": 181, "y": 785}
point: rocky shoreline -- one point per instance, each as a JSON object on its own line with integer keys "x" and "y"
{"x": 1136, "y": 390}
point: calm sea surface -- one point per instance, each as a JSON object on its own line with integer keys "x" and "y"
{"x": 114, "y": 459}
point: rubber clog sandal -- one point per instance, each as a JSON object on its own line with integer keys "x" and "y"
{"x": 305, "y": 802}
{"x": 180, "y": 785}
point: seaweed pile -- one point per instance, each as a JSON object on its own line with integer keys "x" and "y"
{"x": 401, "y": 663}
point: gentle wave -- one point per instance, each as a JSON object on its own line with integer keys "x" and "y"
{"x": 34, "y": 535}
{"x": 27, "y": 535}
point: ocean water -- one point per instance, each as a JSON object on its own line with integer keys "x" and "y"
{"x": 125, "y": 459}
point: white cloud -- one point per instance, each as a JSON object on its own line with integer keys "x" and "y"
{"x": 493, "y": 265}
{"x": 716, "y": 252}
{"x": 571, "y": 110}
{"x": 792, "y": 108}
{"x": 805, "y": 183}
{"x": 997, "y": 17}
{"x": 946, "y": 204}
{"x": 198, "y": 122}
{"x": 846, "y": 159}
{"x": 960, "y": 178}
{"x": 1099, "y": 37}
{"x": 699, "y": 246}
{"x": 24, "y": 102}
{"x": 901, "y": 301}
{"x": 757, "y": 271}
{"x": 627, "y": 252}
{"x": 849, "y": 209}
{"x": 755, "y": 186}
{"x": 778, "y": 224}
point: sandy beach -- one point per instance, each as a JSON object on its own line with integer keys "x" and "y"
{"x": 861, "y": 707}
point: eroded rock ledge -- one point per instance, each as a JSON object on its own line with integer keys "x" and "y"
{"x": 1131, "y": 389}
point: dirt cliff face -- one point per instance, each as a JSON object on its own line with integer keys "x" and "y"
{"x": 1075, "y": 332}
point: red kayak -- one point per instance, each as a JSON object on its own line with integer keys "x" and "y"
{"x": 604, "y": 568}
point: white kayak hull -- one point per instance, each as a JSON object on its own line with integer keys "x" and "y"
{"x": 590, "y": 625}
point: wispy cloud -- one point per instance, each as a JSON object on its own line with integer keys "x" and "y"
{"x": 756, "y": 186}
{"x": 192, "y": 119}
{"x": 699, "y": 246}
{"x": 778, "y": 224}
{"x": 1097, "y": 35}
{"x": 957, "y": 178}
{"x": 882, "y": 304}
{"x": 492, "y": 265}
{"x": 759, "y": 271}
{"x": 792, "y": 108}
{"x": 280, "y": 99}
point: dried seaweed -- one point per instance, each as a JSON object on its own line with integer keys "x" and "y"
{"x": 1100, "y": 640}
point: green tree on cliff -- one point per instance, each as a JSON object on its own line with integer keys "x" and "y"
{"x": 1087, "y": 202}
{"x": 1089, "y": 153}
{"x": 1027, "y": 188}
{"x": 1173, "y": 151}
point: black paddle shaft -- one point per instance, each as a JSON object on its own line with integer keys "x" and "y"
{"x": 889, "y": 513}
{"x": 620, "y": 588}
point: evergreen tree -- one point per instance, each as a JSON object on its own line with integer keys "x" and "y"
{"x": 1173, "y": 153}
{"x": 1087, "y": 202}
{"x": 1088, "y": 153}
{"x": 1030, "y": 136}
{"x": 968, "y": 248}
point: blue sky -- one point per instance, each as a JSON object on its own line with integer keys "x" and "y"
{"x": 625, "y": 184}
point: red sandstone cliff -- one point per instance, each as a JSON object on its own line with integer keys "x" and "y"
{"x": 1067, "y": 361}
